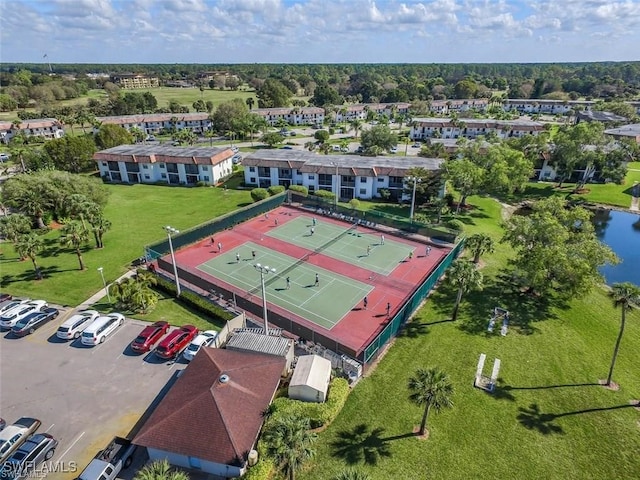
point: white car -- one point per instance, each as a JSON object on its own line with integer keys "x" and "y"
{"x": 204, "y": 339}
{"x": 73, "y": 326}
{"x": 4, "y": 157}
{"x": 12, "y": 304}
{"x": 393, "y": 150}
{"x": 101, "y": 328}
{"x": 235, "y": 149}
{"x": 13, "y": 316}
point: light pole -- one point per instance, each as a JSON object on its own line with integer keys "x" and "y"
{"x": 101, "y": 270}
{"x": 335, "y": 200}
{"x": 264, "y": 269}
{"x": 171, "y": 230}
{"x": 416, "y": 180}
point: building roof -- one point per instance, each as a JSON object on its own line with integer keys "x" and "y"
{"x": 31, "y": 123}
{"x": 288, "y": 110}
{"x": 165, "y": 154}
{"x": 631, "y": 130}
{"x": 480, "y": 123}
{"x": 205, "y": 416}
{"x": 258, "y": 342}
{"x": 598, "y": 116}
{"x": 310, "y": 162}
{"x": 313, "y": 371}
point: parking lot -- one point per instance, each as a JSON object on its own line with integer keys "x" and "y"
{"x": 83, "y": 395}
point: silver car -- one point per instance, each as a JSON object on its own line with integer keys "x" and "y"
{"x": 33, "y": 452}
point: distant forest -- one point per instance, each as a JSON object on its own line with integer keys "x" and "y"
{"x": 36, "y": 85}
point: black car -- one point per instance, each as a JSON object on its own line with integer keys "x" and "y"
{"x": 33, "y": 452}
{"x": 5, "y": 297}
{"x": 33, "y": 321}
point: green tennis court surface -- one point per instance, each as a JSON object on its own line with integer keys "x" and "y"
{"x": 349, "y": 245}
{"x": 324, "y": 305}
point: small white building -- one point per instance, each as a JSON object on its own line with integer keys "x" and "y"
{"x": 151, "y": 123}
{"x": 47, "y": 128}
{"x": 310, "y": 379}
{"x": 159, "y": 163}
{"x": 423, "y": 128}
{"x": 292, "y": 115}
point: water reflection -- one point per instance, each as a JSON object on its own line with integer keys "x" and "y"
{"x": 621, "y": 232}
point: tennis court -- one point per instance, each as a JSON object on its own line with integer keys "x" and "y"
{"x": 325, "y": 304}
{"x": 357, "y": 246}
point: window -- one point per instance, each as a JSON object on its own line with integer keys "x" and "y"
{"x": 147, "y": 177}
{"x": 380, "y": 179}
{"x": 163, "y": 175}
{"x": 205, "y": 168}
{"x": 252, "y": 169}
{"x": 162, "y": 165}
{"x": 312, "y": 177}
{"x": 363, "y": 191}
{"x": 363, "y": 179}
{"x": 145, "y": 167}
{"x": 205, "y": 178}
{"x": 252, "y": 180}
{"x": 104, "y": 164}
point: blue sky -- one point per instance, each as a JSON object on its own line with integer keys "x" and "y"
{"x": 319, "y": 31}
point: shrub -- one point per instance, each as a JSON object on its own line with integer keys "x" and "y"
{"x": 301, "y": 189}
{"x": 354, "y": 203}
{"x": 263, "y": 470}
{"x": 385, "y": 193}
{"x": 332, "y": 131}
{"x": 455, "y": 225}
{"x": 275, "y": 189}
{"x": 258, "y": 194}
{"x": 218, "y": 314}
{"x": 324, "y": 194}
{"x": 319, "y": 414}
{"x": 201, "y": 184}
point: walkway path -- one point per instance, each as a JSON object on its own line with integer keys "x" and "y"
{"x": 101, "y": 293}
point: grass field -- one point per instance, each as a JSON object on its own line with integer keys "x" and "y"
{"x": 137, "y": 213}
{"x": 549, "y": 418}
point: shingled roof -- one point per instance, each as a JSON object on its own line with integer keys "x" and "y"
{"x": 214, "y": 410}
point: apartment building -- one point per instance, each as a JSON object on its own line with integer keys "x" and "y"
{"x": 156, "y": 122}
{"x": 292, "y": 115}
{"x": 47, "y": 128}
{"x": 351, "y": 176}
{"x": 549, "y": 107}
{"x": 133, "y": 80}
{"x": 360, "y": 111}
{"x": 444, "y": 107}
{"x": 159, "y": 163}
{"x": 423, "y": 128}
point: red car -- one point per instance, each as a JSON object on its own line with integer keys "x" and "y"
{"x": 174, "y": 343}
{"x": 149, "y": 336}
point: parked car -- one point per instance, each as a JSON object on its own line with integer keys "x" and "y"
{"x": 108, "y": 463}
{"x": 33, "y": 452}
{"x": 360, "y": 149}
{"x": 174, "y": 343}
{"x": 73, "y": 326}
{"x": 416, "y": 145}
{"x": 287, "y": 147}
{"x": 33, "y": 321}
{"x": 101, "y": 328}
{"x": 235, "y": 149}
{"x": 150, "y": 138}
{"x": 204, "y": 339}
{"x": 10, "y": 318}
{"x": 335, "y": 148}
{"x": 236, "y": 159}
{"x": 11, "y": 304}
{"x": 4, "y": 297}
{"x": 293, "y": 133}
{"x": 15, "y": 435}
{"x": 393, "y": 150}
{"x": 149, "y": 336}
{"x": 4, "y": 157}
{"x": 2, "y": 424}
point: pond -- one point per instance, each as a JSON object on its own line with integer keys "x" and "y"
{"x": 621, "y": 232}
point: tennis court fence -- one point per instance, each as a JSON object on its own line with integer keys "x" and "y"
{"x": 208, "y": 229}
{"x": 377, "y": 217}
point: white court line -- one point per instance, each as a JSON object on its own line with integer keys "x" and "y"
{"x": 71, "y": 446}
{"x": 52, "y": 425}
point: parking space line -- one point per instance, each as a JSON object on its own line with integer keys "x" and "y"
{"x": 71, "y": 446}
{"x": 52, "y": 425}
{"x": 109, "y": 337}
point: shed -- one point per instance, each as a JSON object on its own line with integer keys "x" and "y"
{"x": 310, "y": 379}
{"x": 261, "y": 343}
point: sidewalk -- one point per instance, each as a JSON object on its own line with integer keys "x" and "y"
{"x": 101, "y": 293}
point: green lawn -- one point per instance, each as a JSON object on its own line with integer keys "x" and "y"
{"x": 547, "y": 420}
{"x": 137, "y": 213}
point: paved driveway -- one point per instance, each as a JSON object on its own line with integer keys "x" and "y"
{"x": 83, "y": 395}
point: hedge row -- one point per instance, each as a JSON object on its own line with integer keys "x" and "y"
{"x": 324, "y": 194}
{"x": 218, "y": 314}
{"x": 301, "y": 189}
{"x": 319, "y": 414}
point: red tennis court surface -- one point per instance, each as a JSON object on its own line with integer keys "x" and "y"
{"x": 359, "y": 326}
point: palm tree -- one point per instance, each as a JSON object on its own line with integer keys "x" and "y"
{"x": 15, "y": 225}
{"x": 289, "y": 441}
{"x": 463, "y": 275}
{"x": 138, "y": 134}
{"x": 478, "y": 244}
{"x": 73, "y": 234}
{"x": 250, "y": 102}
{"x": 430, "y": 388}
{"x": 99, "y": 225}
{"x": 626, "y": 296}
{"x": 30, "y": 245}
{"x": 356, "y": 124}
{"x": 311, "y": 146}
{"x": 352, "y": 474}
{"x": 34, "y": 204}
{"x": 160, "y": 470}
